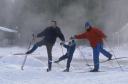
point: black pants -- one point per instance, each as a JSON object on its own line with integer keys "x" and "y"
{"x": 69, "y": 59}
{"x": 49, "y": 47}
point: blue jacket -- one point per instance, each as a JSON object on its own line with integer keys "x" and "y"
{"x": 70, "y": 48}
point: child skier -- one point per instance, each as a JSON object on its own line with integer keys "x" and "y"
{"x": 69, "y": 55}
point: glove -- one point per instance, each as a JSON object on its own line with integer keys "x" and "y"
{"x": 62, "y": 43}
{"x": 72, "y": 37}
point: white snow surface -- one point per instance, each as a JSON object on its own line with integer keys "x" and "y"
{"x": 8, "y": 29}
{"x": 35, "y": 69}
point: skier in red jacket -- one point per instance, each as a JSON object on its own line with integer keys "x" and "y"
{"x": 95, "y": 37}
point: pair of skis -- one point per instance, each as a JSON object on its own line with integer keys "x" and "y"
{"x": 113, "y": 59}
{"x": 110, "y": 60}
{"x": 103, "y": 62}
{"x": 22, "y": 67}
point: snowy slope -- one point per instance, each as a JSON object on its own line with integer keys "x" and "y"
{"x": 35, "y": 69}
{"x": 8, "y": 29}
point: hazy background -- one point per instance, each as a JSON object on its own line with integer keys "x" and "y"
{"x": 32, "y": 16}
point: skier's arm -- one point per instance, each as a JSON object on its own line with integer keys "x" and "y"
{"x": 80, "y": 36}
{"x": 42, "y": 33}
{"x": 63, "y": 44}
{"x": 73, "y": 43}
{"x": 100, "y": 33}
{"x": 60, "y": 35}
{"x": 66, "y": 46}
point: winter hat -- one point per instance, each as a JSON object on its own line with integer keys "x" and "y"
{"x": 87, "y": 24}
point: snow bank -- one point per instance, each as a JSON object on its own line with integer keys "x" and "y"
{"x": 17, "y": 60}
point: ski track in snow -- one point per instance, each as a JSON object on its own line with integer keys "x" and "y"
{"x": 35, "y": 69}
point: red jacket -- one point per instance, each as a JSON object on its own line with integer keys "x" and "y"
{"x": 94, "y": 36}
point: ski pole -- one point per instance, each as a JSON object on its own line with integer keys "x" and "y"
{"x": 87, "y": 64}
{"x": 22, "y": 67}
{"x": 62, "y": 50}
{"x": 114, "y": 55}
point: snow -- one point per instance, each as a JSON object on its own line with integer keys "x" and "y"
{"x": 17, "y": 60}
{"x": 35, "y": 68}
{"x": 7, "y": 29}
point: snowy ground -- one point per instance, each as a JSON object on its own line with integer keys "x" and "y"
{"x": 35, "y": 69}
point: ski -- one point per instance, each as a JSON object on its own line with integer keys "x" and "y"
{"x": 19, "y": 54}
{"x": 113, "y": 59}
{"x": 23, "y": 54}
{"x": 109, "y": 60}
{"x": 89, "y": 72}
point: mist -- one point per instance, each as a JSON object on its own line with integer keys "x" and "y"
{"x": 32, "y": 16}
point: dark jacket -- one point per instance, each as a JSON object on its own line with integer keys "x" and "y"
{"x": 70, "y": 48}
{"x": 50, "y": 35}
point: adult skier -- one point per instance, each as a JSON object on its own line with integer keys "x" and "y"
{"x": 69, "y": 55}
{"x": 49, "y": 36}
{"x": 95, "y": 36}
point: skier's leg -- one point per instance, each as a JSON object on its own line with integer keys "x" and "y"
{"x": 62, "y": 58}
{"x": 38, "y": 44}
{"x": 33, "y": 49}
{"x": 96, "y": 58}
{"x": 104, "y": 52}
{"x": 69, "y": 62}
{"x": 49, "y": 51}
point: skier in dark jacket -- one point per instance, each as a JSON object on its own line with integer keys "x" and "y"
{"x": 49, "y": 36}
{"x": 70, "y": 51}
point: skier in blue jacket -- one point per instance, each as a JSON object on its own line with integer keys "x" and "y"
{"x": 69, "y": 55}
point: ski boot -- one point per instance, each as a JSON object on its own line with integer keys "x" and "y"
{"x": 110, "y": 58}
{"x": 56, "y": 61}
{"x": 27, "y": 53}
{"x": 66, "y": 70}
{"x": 48, "y": 70}
{"x": 94, "y": 70}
